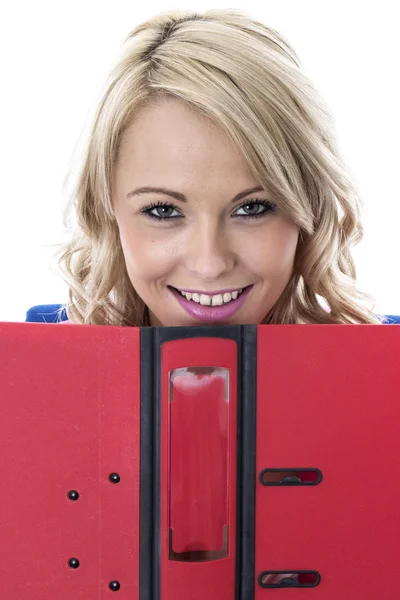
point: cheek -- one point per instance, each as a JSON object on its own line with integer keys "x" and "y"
{"x": 145, "y": 255}
{"x": 272, "y": 253}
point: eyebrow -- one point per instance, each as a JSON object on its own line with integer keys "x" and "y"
{"x": 182, "y": 197}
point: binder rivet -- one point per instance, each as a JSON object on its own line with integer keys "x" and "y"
{"x": 73, "y": 495}
{"x": 73, "y": 563}
{"x": 114, "y": 586}
{"x": 114, "y": 478}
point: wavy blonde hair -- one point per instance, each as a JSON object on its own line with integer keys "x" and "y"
{"x": 246, "y": 78}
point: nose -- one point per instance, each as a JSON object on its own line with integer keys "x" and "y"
{"x": 209, "y": 252}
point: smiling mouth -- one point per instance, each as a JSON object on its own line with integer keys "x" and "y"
{"x": 200, "y": 308}
{"x": 216, "y": 300}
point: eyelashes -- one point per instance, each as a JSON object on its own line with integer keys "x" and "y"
{"x": 254, "y": 202}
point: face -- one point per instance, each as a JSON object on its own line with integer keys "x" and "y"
{"x": 227, "y": 247}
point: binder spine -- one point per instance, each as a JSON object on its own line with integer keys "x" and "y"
{"x": 198, "y": 463}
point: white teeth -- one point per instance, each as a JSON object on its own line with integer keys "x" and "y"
{"x": 205, "y": 300}
{"x": 217, "y": 300}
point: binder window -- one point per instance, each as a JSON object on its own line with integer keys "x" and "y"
{"x": 198, "y": 463}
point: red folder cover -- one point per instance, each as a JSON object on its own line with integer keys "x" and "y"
{"x": 218, "y": 463}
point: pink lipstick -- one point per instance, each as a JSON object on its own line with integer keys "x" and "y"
{"x": 211, "y": 313}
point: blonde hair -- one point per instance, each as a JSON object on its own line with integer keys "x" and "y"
{"x": 246, "y": 78}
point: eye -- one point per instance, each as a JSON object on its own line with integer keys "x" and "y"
{"x": 255, "y": 208}
{"x": 160, "y": 211}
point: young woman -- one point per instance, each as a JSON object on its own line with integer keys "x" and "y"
{"x": 211, "y": 189}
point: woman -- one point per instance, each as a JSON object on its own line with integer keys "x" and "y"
{"x": 211, "y": 189}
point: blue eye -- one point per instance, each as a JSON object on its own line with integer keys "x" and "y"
{"x": 164, "y": 210}
{"x": 253, "y": 206}
{"x": 256, "y": 208}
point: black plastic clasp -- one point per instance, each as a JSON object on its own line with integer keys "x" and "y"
{"x": 300, "y": 579}
{"x": 294, "y": 476}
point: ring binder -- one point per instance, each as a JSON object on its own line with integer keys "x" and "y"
{"x": 213, "y": 462}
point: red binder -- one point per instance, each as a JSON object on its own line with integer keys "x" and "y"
{"x": 218, "y": 463}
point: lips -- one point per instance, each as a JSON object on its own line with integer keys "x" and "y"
{"x": 211, "y": 313}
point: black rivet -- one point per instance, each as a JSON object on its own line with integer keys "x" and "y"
{"x": 114, "y": 586}
{"x": 290, "y": 479}
{"x": 73, "y": 495}
{"x": 114, "y": 478}
{"x": 73, "y": 563}
{"x": 289, "y": 582}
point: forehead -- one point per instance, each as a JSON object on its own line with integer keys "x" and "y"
{"x": 173, "y": 138}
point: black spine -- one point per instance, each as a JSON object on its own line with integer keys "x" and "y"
{"x": 147, "y": 533}
{"x": 247, "y": 476}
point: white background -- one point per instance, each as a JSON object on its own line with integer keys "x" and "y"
{"x": 55, "y": 57}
